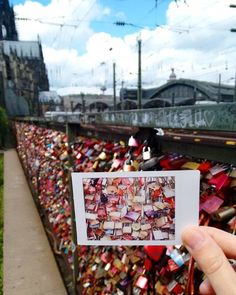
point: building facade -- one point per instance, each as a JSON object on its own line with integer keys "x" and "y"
{"x": 22, "y": 70}
{"x": 88, "y": 102}
{"x": 175, "y": 92}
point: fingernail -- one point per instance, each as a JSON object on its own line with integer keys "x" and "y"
{"x": 193, "y": 238}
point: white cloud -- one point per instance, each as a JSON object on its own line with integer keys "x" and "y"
{"x": 196, "y": 41}
{"x": 60, "y": 24}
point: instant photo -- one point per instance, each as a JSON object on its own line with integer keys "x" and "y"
{"x": 134, "y": 208}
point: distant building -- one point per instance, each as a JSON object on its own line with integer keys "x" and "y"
{"x": 22, "y": 69}
{"x": 87, "y": 102}
{"x": 50, "y": 101}
{"x": 178, "y": 92}
{"x": 175, "y": 92}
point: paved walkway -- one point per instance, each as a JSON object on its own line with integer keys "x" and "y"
{"x": 29, "y": 265}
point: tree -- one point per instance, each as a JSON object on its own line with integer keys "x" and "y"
{"x": 3, "y": 127}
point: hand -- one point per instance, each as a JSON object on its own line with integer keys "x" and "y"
{"x": 210, "y": 247}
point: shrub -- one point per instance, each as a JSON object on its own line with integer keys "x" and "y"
{"x": 1, "y": 170}
{"x": 3, "y": 127}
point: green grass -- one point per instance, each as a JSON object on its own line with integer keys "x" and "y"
{"x": 1, "y": 224}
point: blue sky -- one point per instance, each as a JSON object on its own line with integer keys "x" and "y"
{"x": 14, "y": 2}
{"x": 136, "y": 13}
{"x": 194, "y": 38}
{"x": 141, "y": 13}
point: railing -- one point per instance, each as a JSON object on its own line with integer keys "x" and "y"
{"x": 220, "y": 117}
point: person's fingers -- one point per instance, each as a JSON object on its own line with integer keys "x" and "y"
{"x": 226, "y": 241}
{"x": 211, "y": 260}
{"x": 205, "y": 288}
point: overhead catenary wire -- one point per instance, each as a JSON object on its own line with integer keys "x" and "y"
{"x": 119, "y": 23}
{"x": 187, "y": 29}
{"x": 196, "y": 28}
{"x": 76, "y": 25}
{"x": 192, "y": 29}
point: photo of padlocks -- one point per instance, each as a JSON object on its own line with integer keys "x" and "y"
{"x": 134, "y": 208}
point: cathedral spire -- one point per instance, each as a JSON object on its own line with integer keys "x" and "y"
{"x": 4, "y": 4}
{"x": 7, "y": 22}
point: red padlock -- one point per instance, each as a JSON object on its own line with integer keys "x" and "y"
{"x": 154, "y": 252}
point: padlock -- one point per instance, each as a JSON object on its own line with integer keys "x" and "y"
{"x": 172, "y": 265}
{"x": 128, "y": 166}
{"x": 150, "y": 164}
{"x": 146, "y": 153}
{"x": 95, "y": 164}
{"x": 219, "y": 181}
{"x": 233, "y": 184}
{"x": 204, "y": 166}
{"x": 211, "y": 204}
{"x": 142, "y": 282}
{"x": 177, "y": 162}
{"x": 217, "y": 169}
{"x": 190, "y": 165}
{"x": 102, "y": 156}
{"x": 132, "y": 142}
{"x": 233, "y": 173}
{"x": 223, "y": 213}
{"x": 154, "y": 252}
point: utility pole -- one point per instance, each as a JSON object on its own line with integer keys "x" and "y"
{"x": 83, "y": 102}
{"x": 114, "y": 86}
{"x": 72, "y": 106}
{"x": 122, "y": 95}
{"x": 219, "y": 89}
{"x": 139, "y": 91}
{"x": 234, "y": 100}
{"x": 233, "y": 30}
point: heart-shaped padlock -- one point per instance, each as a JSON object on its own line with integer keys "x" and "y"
{"x": 132, "y": 142}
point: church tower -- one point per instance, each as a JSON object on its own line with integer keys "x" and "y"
{"x": 7, "y": 22}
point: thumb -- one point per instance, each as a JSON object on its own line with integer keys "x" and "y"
{"x": 210, "y": 259}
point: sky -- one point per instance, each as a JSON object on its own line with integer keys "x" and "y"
{"x": 82, "y": 39}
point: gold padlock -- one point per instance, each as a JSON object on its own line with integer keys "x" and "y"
{"x": 95, "y": 164}
{"x": 223, "y": 213}
{"x": 233, "y": 173}
{"x": 190, "y": 165}
{"x": 128, "y": 166}
{"x": 102, "y": 156}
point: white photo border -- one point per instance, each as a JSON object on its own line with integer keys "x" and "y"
{"x": 187, "y": 187}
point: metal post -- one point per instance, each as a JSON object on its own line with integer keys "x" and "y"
{"x": 72, "y": 106}
{"x": 219, "y": 90}
{"x": 194, "y": 95}
{"x": 122, "y": 95}
{"x": 173, "y": 99}
{"x": 83, "y": 102}
{"x": 234, "y": 100}
{"x": 114, "y": 86}
{"x": 70, "y": 136}
{"x": 139, "y": 76}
